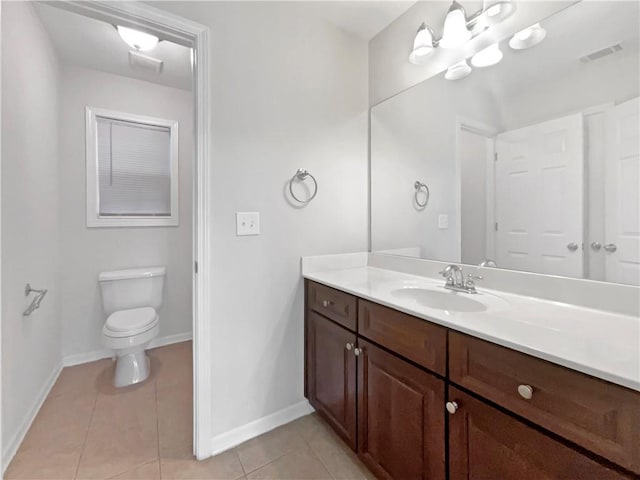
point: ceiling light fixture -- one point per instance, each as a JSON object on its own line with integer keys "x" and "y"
{"x": 487, "y": 57}
{"x": 455, "y": 32}
{"x": 136, "y": 39}
{"x": 527, "y": 38}
{"x": 458, "y": 71}
{"x": 422, "y": 45}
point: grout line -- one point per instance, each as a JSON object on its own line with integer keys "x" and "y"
{"x": 86, "y": 435}
{"x": 155, "y": 396}
{"x": 244, "y": 472}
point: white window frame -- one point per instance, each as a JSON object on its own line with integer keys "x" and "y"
{"x": 93, "y": 190}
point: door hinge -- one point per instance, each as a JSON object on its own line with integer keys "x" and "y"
{"x": 495, "y": 226}
{"x": 195, "y": 267}
{"x": 495, "y": 156}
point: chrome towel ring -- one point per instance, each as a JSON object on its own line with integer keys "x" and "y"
{"x": 302, "y": 175}
{"x": 420, "y": 186}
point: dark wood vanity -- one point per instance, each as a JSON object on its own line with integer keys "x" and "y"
{"x": 416, "y": 400}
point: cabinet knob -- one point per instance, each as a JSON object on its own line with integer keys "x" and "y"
{"x": 357, "y": 351}
{"x": 452, "y": 407}
{"x": 525, "y": 391}
{"x": 326, "y": 303}
{"x": 349, "y": 346}
{"x": 610, "y": 247}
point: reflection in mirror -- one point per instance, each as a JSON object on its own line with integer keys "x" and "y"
{"x": 532, "y": 162}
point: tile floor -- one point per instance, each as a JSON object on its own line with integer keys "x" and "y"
{"x": 87, "y": 429}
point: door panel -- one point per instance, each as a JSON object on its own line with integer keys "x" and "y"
{"x": 539, "y": 197}
{"x": 622, "y": 202}
{"x": 401, "y": 417}
{"x": 331, "y": 383}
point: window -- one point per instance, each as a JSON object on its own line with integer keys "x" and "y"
{"x": 132, "y": 170}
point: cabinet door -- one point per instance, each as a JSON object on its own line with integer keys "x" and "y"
{"x": 486, "y": 444}
{"x": 400, "y": 417}
{"x": 331, "y": 374}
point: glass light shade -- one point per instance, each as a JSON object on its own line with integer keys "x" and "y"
{"x": 455, "y": 31}
{"x": 140, "y": 41}
{"x": 458, "y": 71}
{"x": 498, "y": 12}
{"x": 487, "y": 57}
{"x": 422, "y": 45}
{"x": 527, "y": 38}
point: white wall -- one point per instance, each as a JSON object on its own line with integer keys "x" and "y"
{"x": 413, "y": 137}
{"x": 85, "y": 252}
{"x": 30, "y": 345}
{"x": 288, "y": 91}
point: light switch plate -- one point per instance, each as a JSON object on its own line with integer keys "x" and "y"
{"x": 443, "y": 222}
{"x": 247, "y": 223}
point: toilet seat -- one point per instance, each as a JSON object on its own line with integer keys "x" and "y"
{"x": 127, "y": 323}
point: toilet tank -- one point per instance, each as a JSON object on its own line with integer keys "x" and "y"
{"x": 132, "y": 288}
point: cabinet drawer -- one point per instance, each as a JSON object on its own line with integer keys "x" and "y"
{"x": 334, "y": 304}
{"x": 410, "y": 337}
{"x": 599, "y": 416}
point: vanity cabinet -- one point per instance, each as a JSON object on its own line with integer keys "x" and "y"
{"x": 384, "y": 380}
{"x": 485, "y": 443}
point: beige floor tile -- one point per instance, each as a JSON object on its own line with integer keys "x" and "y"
{"x": 175, "y": 423}
{"x": 148, "y": 471}
{"x": 264, "y": 449}
{"x": 224, "y": 466}
{"x": 300, "y": 465}
{"x": 338, "y": 458}
{"x": 81, "y": 379}
{"x": 38, "y": 466}
{"x": 174, "y": 366}
{"x": 123, "y": 434}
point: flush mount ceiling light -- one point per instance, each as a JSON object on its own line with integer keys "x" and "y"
{"x": 136, "y": 39}
{"x": 422, "y": 45}
{"x": 455, "y": 32}
{"x": 527, "y": 38}
{"x": 487, "y": 57}
{"x": 458, "y": 71}
{"x": 498, "y": 12}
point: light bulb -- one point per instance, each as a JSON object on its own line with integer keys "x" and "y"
{"x": 140, "y": 41}
{"x": 487, "y": 57}
{"x": 455, "y": 31}
{"x": 458, "y": 71}
{"x": 422, "y": 45}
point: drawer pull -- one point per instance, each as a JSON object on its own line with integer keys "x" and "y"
{"x": 452, "y": 407}
{"x": 327, "y": 303}
{"x": 349, "y": 346}
{"x": 525, "y": 391}
{"x": 357, "y": 351}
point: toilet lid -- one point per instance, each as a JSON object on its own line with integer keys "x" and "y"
{"x": 133, "y": 319}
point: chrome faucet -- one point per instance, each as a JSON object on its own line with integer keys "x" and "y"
{"x": 455, "y": 279}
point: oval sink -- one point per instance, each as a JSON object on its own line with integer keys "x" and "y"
{"x": 445, "y": 300}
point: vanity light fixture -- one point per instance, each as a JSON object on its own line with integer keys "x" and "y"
{"x": 455, "y": 32}
{"x": 527, "y": 38}
{"x": 487, "y": 57}
{"x": 422, "y": 45}
{"x": 140, "y": 41}
{"x": 458, "y": 71}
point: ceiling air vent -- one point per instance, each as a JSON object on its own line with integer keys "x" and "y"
{"x": 139, "y": 60}
{"x": 593, "y": 56}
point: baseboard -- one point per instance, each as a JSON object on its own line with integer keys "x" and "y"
{"x": 79, "y": 358}
{"x": 235, "y": 437}
{"x": 16, "y": 440}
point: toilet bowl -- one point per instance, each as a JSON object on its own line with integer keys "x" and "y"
{"x": 131, "y": 298}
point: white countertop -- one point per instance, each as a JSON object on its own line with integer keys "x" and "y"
{"x": 599, "y": 343}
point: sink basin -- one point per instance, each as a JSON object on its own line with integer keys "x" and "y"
{"x": 441, "y": 300}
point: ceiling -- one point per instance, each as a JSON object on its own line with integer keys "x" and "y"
{"x": 86, "y": 42}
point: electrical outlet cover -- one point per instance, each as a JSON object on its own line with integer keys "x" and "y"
{"x": 247, "y": 223}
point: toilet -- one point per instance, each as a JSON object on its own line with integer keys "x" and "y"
{"x": 131, "y": 299}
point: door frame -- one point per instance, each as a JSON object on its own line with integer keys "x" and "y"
{"x": 488, "y": 131}
{"x": 196, "y": 36}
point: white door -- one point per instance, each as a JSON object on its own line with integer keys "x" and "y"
{"x": 622, "y": 197}
{"x": 539, "y": 198}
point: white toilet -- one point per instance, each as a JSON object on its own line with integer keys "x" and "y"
{"x": 131, "y": 299}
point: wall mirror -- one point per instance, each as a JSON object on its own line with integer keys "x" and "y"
{"x": 532, "y": 162}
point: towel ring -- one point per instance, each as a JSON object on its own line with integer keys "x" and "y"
{"x": 420, "y": 186}
{"x": 302, "y": 175}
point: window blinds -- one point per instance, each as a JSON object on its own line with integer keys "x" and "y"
{"x": 134, "y": 168}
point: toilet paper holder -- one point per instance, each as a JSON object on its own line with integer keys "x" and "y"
{"x": 35, "y": 303}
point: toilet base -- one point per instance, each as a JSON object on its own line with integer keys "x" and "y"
{"x": 131, "y": 368}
